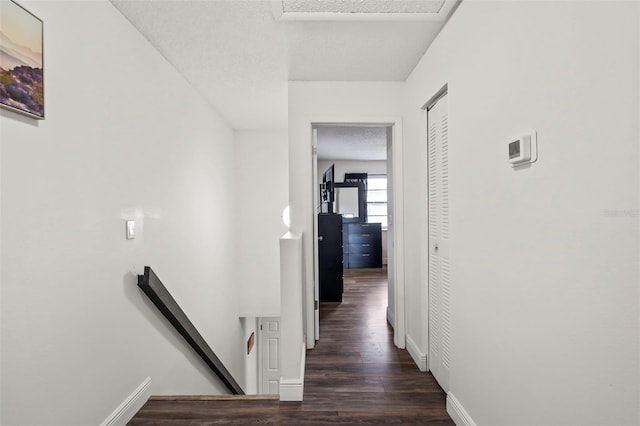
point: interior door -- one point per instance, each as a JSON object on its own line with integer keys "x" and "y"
{"x": 316, "y": 203}
{"x": 439, "y": 274}
{"x": 270, "y": 355}
{"x": 391, "y": 259}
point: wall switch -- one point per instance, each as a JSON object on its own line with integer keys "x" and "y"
{"x": 131, "y": 229}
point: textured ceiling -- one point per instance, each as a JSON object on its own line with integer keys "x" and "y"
{"x": 359, "y": 6}
{"x": 233, "y": 52}
{"x": 357, "y": 51}
{"x": 240, "y": 54}
{"x": 352, "y": 143}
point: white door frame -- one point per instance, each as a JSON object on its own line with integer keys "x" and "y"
{"x": 259, "y": 343}
{"x": 399, "y": 337}
{"x": 316, "y": 200}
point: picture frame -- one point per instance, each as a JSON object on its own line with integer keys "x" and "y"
{"x": 21, "y": 60}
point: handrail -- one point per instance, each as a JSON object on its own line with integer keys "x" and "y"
{"x": 151, "y": 285}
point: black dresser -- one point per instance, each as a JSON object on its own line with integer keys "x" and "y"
{"x": 330, "y": 257}
{"x": 362, "y": 247}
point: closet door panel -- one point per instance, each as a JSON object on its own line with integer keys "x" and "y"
{"x": 438, "y": 235}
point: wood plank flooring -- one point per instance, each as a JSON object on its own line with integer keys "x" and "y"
{"x": 354, "y": 375}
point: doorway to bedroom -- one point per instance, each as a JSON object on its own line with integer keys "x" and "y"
{"x": 353, "y": 213}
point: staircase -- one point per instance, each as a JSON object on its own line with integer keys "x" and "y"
{"x": 209, "y": 409}
{"x": 354, "y": 375}
{"x": 236, "y": 407}
{"x": 151, "y": 285}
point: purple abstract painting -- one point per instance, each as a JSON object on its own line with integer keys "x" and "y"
{"x": 21, "y": 60}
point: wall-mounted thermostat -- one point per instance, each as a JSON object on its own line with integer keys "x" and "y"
{"x": 523, "y": 149}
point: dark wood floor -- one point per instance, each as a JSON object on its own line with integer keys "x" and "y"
{"x": 354, "y": 375}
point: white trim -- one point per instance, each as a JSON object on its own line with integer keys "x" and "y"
{"x": 418, "y": 356}
{"x": 444, "y": 90}
{"x": 259, "y": 344}
{"x": 316, "y": 264}
{"x": 391, "y": 318}
{"x": 424, "y": 287}
{"x": 457, "y": 412}
{"x": 293, "y": 389}
{"x": 399, "y": 335}
{"x": 360, "y": 17}
{"x": 441, "y": 15}
{"x": 398, "y": 206}
{"x": 130, "y": 406}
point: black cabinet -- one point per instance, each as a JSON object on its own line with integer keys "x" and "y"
{"x": 330, "y": 257}
{"x": 362, "y": 245}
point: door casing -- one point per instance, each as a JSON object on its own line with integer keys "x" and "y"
{"x": 398, "y": 216}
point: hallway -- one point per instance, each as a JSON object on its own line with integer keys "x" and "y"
{"x": 354, "y": 375}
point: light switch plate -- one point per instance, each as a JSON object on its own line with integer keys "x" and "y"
{"x": 131, "y": 229}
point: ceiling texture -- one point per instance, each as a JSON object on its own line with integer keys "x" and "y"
{"x": 352, "y": 143}
{"x": 360, "y": 6}
{"x": 241, "y": 54}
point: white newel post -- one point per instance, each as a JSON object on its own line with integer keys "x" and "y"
{"x": 292, "y": 337}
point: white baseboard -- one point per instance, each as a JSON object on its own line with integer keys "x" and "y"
{"x": 457, "y": 412}
{"x": 391, "y": 318}
{"x": 418, "y": 357}
{"x": 130, "y": 406}
{"x": 293, "y": 389}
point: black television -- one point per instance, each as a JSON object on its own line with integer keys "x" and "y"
{"x": 327, "y": 190}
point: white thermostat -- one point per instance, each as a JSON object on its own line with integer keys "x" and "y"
{"x": 523, "y": 149}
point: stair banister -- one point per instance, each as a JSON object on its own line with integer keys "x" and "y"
{"x": 151, "y": 285}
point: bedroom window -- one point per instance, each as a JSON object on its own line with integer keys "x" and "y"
{"x": 377, "y": 199}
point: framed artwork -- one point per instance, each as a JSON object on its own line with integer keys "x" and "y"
{"x": 21, "y": 60}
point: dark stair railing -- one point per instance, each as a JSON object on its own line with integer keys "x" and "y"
{"x": 160, "y": 296}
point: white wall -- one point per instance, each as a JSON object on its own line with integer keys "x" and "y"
{"x": 351, "y": 166}
{"x": 261, "y": 184}
{"x": 544, "y": 260}
{"x": 125, "y": 136}
{"x": 250, "y": 385}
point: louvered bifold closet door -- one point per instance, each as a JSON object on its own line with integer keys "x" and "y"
{"x": 438, "y": 223}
